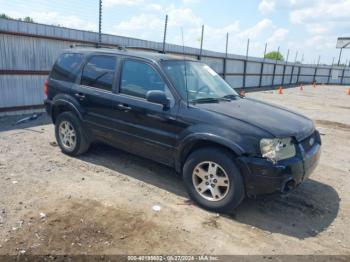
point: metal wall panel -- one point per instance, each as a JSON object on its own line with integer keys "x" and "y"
{"x": 279, "y": 69}
{"x": 252, "y": 81}
{"x": 268, "y": 69}
{"x": 235, "y": 81}
{"x": 215, "y": 63}
{"x": 29, "y": 53}
{"x": 266, "y": 81}
{"x": 234, "y": 66}
{"x": 21, "y": 90}
{"x": 34, "y": 47}
{"x": 253, "y": 68}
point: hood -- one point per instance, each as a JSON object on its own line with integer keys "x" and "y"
{"x": 278, "y": 121}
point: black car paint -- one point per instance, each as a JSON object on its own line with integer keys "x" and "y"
{"x": 167, "y": 135}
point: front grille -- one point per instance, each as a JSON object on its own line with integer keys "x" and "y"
{"x": 306, "y": 143}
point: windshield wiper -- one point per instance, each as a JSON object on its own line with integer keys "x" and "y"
{"x": 230, "y": 97}
{"x": 209, "y": 100}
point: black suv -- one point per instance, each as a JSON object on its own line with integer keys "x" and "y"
{"x": 180, "y": 113}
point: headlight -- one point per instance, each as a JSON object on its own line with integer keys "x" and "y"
{"x": 277, "y": 149}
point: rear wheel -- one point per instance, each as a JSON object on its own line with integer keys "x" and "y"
{"x": 213, "y": 180}
{"x": 69, "y": 134}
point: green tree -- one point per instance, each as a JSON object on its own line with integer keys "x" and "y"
{"x": 5, "y": 16}
{"x": 275, "y": 55}
{"x": 28, "y": 19}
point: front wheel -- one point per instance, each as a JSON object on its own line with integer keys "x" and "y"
{"x": 69, "y": 134}
{"x": 212, "y": 180}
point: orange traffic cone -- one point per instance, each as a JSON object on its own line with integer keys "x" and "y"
{"x": 301, "y": 88}
{"x": 349, "y": 91}
{"x": 242, "y": 93}
{"x": 280, "y": 90}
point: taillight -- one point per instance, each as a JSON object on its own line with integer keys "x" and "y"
{"x": 46, "y": 88}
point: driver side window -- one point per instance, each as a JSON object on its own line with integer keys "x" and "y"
{"x": 138, "y": 78}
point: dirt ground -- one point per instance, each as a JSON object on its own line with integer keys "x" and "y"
{"x": 102, "y": 202}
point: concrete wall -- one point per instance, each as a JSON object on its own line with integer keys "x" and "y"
{"x": 28, "y": 50}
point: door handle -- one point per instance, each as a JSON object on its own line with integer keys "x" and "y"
{"x": 80, "y": 96}
{"x": 124, "y": 108}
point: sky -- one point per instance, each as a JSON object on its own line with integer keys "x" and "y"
{"x": 309, "y": 27}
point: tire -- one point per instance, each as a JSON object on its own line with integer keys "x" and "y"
{"x": 79, "y": 144}
{"x": 231, "y": 190}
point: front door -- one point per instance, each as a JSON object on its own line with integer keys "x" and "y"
{"x": 152, "y": 129}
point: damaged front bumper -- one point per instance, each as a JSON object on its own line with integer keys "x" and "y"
{"x": 262, "y": 176}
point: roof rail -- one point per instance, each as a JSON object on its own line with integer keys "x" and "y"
{"x": 98, "y": 45}
{"x": 145, "y": 49}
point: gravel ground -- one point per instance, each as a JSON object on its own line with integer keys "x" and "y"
{"x": 102, "y": 202}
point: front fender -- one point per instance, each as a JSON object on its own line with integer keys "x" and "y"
{"x": 237, "y": 143}
{"x": 192, "y": 138}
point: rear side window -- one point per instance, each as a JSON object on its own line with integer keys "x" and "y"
{"x": 67, "y": 67}
{"x": 99, "y": 72}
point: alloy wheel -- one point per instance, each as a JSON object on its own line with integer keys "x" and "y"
{"x": 210, "y": 181}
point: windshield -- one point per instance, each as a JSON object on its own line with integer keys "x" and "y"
{"x": 203, "y": 83}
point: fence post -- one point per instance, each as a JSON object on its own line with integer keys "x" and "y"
{"x": 298, "y": 76}
{"x": 340, "y": 52}
{"x": 245, "y": 65}
{"x": 330, "y": 71}
{"x": 201, "y": 49}
{"x": 165, "y": 31}
{"x": 274, "y": 69}
{"x": 244, "y": 71}
{"x": 293, "y": 66}
{"x": 315, "y": 74}
{"x": 100, "y": 24}
{"x": 342, "y": 76}
{"x": 262, "y": 67}
{"x": 314, "y": 79}
{"x": 261, "y": 72}
{"x": 273, "y": 74}
{"x": 284, "y": 68}
{"x": 225, "y": 58}
{"x": 329, "y": 75}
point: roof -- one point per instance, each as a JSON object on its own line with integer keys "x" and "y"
{"x": 150, "y": 55}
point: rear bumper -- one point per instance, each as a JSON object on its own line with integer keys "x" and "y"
{"x": 48, "y": 106}
{"x": 264, "y": 177}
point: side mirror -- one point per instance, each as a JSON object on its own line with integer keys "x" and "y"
{"x": 158, "y": 97}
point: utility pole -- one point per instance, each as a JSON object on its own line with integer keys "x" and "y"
{"x": 100, "y": 24}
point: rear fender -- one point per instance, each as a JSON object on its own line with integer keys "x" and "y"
{"x": 69, "y": 102}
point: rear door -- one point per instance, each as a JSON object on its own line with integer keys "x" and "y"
{"x": 94, "y": 93}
